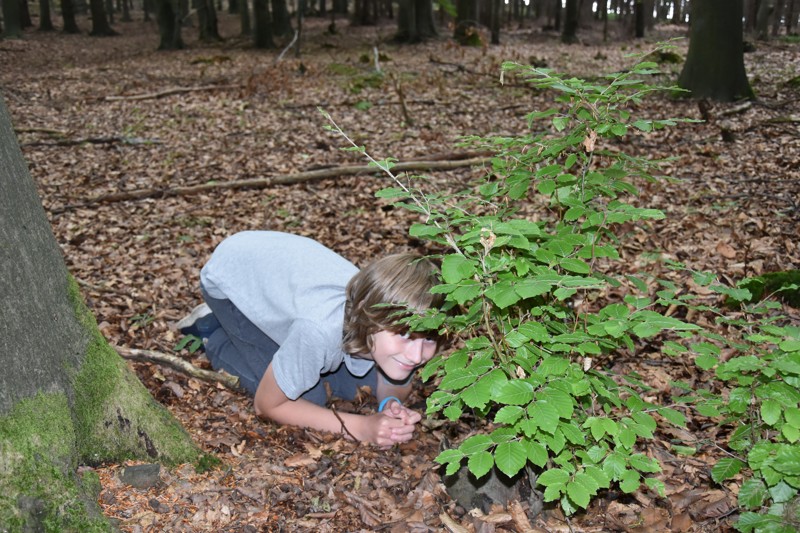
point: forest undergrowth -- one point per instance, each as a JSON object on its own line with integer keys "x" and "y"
{"x": 112, "y": 116}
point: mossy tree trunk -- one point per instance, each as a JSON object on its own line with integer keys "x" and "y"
{"x": 66, "y": 397}
{"x": 714, "y": 65}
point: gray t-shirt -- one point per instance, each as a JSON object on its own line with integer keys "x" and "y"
{"x": 293, "y": 289}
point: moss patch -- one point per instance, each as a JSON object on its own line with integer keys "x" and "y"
{"x": 115, "y": 416}
{"x": 39, "y": 490}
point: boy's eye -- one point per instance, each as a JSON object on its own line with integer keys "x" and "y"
{"x": 405, "y": 336}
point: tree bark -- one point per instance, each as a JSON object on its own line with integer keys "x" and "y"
{"x": 465, "y": 31}
{"x": 415, "y": 21}
{"x": 66, "y": 398}
{"x": 281, "y": 20}
{"x": 262, "y": 32}
{"x": 714, "y": 65}
{"x": 570, "y": 33}
{"x": 68, "y": 16}
{"x": 12, "y": 17}
{"x": 169, "y": 25}
{"x": 100, "y": 25}
{"x": 207, "y": 21}
{"x": 45, "y": 18}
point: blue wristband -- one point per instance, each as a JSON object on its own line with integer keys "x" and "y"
{"x": 386, "y": 401}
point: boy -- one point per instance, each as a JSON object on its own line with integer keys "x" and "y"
{"x": 286, "y": 315}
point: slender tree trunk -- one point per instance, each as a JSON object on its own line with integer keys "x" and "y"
{"x": 169, "y": 25}
{"x": 100, "y": 25}
{"x": 495, "y": 20}
{"x": 714, "y": 66}
{"x": 415, "y": 21}
{"x": 570, "y": 33}
{"x": 262, "y": 31}
{"x": 465, "y": 31}
{"x": 45, "y": 19}
{"x": 765, "y": 10}
{"x": 639, "y": 14}
{"x": 207, "y": 21}
{"x": 68, "y": 16}
{"x": 281, "y": 20}
{"x": 66, "y": 398}
{"x": 244, "y": 17}
{"x": 12, "y": 17}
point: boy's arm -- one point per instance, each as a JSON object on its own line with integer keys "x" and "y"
{"x": 270, "y": 402}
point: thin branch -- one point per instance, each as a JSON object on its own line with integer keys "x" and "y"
{"x": 170, "y": 92}
{"x": 256, "y": 183}
{"x": 231, "y": 382}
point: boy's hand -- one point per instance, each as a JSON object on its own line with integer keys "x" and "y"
{"x": 390, "y": 427}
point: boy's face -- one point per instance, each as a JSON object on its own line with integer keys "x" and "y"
{"x": 399, "y": 355}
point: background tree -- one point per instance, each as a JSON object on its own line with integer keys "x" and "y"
{"x": 570, "y": 33}
{"x": 714, "y": 66}
{"x": 465, "y": 31}
{"x": 415, "y": 21}
{"x": 66, "y": 398}
{"x": 207, "y": 21}
{"x": 45, "y": 20}
{"x": 169, "y": 25}
{"x": 262, "y": 31}
{"x": 281, "y": 20}
{"x": 68, "y": 16}
{"x": 12, "y": 17}
{"x": 100, "y": 24}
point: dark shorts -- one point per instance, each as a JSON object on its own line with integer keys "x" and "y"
{"x": 241, "y": 349}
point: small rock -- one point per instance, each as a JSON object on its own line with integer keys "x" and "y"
{"x": 159, "y": 507}
{"x": 141, "y": 476}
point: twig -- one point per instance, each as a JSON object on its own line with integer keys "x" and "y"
{"x": 232, "y": 382}
{"x": 170, "y": 92}
{"x": 48, "y": 131}
{"x": 344, "y": 428}
{"x": 278, "y": 59}
{"x": 255, "y": 183}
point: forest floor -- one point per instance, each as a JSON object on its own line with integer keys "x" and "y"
{"x": 101, "y": 116}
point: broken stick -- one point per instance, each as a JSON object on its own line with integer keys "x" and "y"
{"x": 232, "y": 382}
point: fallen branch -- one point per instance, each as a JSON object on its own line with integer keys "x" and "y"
{"x": 257, "y": 183}
{"x": 48, "y": 131}
{"x": 94, "y": 140}
{"x": 177, "y": 363}
{"x": 170, "y": 92}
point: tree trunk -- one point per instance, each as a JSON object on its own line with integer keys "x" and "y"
{"x": 169, "y": 25}
{"x": 281, "y": 20}
{"x": 45, "y": 19}
{"x": 207, "y": 21}
{"x": 100, "y": 25}
{"x": 570, "y": 33}
{"x": 12, "y": 17}
{"x": 262, "y": 34}
{"x": 244, "y": 17}
{"x": 465, "y": 31}
{"x": 639, "y": 14}
{"x": 415, "y": 21}
{"x": 68, "y": 16}
{"x": 765, "y": 10}
{"x": 714, "y": 65}
{"x": 66, "y": 398}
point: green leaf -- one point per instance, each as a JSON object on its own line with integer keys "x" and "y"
{"x": 480, "y": 464}
{"x": 545, "y": 415}
{"x": 726, "y": 468}
{"x": 424, "y": 230}
{"x": 554, "y": 476}
{"x": 508, "y": 414}
{"x": 578, "y": 494}
{"x": 676, "y": 418}
{"x": 503, "y": 294}
{"x": 771, "y": 412}
{"x": 449, "y": 456}
{"x": 475, "y": 444}
{"x": 629, "y": 481}
{"x": 575, "y": 265}
{"x": 546, "y": 187}
{"x": 787, "y": 461}
{"x": 515, "y": 392}
{"x": 537, "y": 453}
{"x": 456, "y": 267}
{"x": 510, "y": 457}
{"x": 752, "y": 494}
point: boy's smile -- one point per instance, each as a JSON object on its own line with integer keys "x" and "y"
{"x": 398, "y": 355}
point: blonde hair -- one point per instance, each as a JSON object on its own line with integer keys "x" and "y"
{"x": 403, "y": 281}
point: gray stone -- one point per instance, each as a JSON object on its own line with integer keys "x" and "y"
{"x": 141, "y": 476}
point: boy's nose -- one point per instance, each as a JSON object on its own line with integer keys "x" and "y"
{"x": 414, "y": 351}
